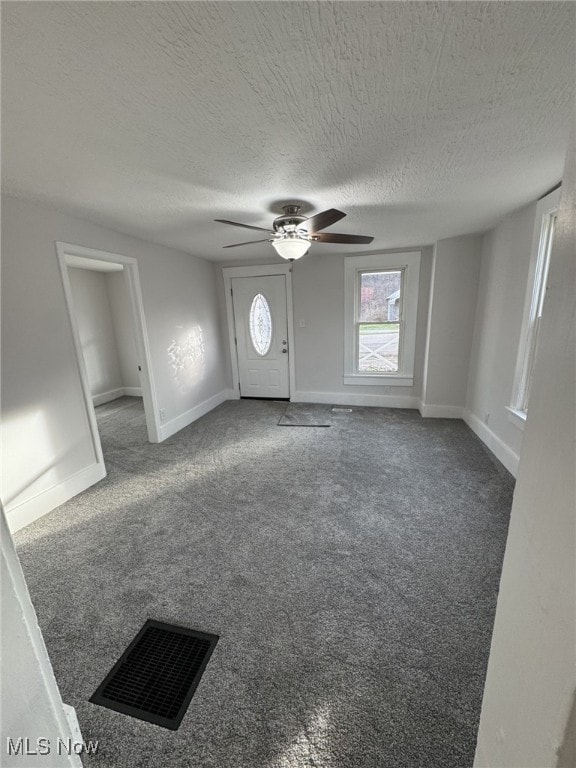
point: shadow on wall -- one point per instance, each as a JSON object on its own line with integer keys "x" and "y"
{"x": 95, "y": 363}
{"x": 567, "y": 751}
{"x": 32, "y": 464}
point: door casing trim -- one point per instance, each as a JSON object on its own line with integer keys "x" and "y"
{"x": 130, "y": 266}
{"x": 263, "y": 270}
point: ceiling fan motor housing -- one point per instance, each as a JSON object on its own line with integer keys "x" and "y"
{"x": 290, "y": 220}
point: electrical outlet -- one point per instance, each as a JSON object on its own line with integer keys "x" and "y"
{"x": 162, "y": 413}
{"x": 486, "y": 417}
{"x": 302, "y": 324}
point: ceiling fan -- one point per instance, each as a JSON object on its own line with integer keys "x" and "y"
{"x": 292, "y": 233}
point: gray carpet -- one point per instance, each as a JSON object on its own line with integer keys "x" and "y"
{"x": 350, "y": 572}
{"x": 305, "y": 415}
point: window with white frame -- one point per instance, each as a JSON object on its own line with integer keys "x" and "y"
{"x": 381, "y": 294}
{"x": 546, "y": 211}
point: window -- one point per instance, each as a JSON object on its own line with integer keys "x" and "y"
{"x": 380, "y": 315}
{"x": 538, "y": 275}
{"x": 379, "y": 320}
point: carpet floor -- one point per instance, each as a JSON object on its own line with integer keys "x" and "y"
{"x": 351, "y": 573}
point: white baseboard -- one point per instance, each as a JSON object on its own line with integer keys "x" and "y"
{"x": 232, "y": 394}
{"x": 345, "y": 398}
{"x": 107, "y": 397}
{"x": 431, "y": 411}
{"x": 491, "y": 440}
{"x": 175, "y": 425}
{"x": 27, "y": 511}
{"x": 132, "y": 391}
{"x": 73, "y": 723}
{"x": 114, "y": 394}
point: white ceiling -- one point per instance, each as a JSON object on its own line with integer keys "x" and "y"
{"x": 420, "y": 120}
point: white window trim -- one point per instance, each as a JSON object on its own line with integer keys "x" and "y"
{"x": 545, "y": 207}
{"x": 410, "y": 263}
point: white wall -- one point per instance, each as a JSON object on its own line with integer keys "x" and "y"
{"x": 123, "y": 328}
{"x": 453, "y": 291}
{"x": 318, "y": 284}
{"x": 531, "y": 680}
{"x": 47, "y": 448}
{"x": 30, "y": 701}
{"x": 501, "y": 293}
{"x": 96, "y": 330}
{"x": 318, "y": 296}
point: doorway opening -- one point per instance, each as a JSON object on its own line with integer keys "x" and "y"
{"x": 104, "y": 304}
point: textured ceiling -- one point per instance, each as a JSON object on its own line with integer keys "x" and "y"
{"x": 420, "y": 120}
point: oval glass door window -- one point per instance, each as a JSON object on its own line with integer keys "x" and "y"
{"x": 260, "y": 322}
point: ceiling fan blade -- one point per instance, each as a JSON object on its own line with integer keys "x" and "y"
{"x": 235, "y": 245}
{"x": 322, "y": 220}
{"x": 237, "y": 224}
{"x": 336, "y": 237}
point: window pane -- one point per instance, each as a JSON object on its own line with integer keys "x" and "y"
{"x": 538, "y": 295}
{"x": 378, "y": 347}
{"x": 546, "y": 264}
{"x": 380, "y": 297}
{"x": 260, "y": 323}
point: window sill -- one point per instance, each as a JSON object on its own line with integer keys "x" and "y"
{"x": 378, "y": 381}
{"x": 516, "y": 416}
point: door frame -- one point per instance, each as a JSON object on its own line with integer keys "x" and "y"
{"x": 132, "y": 276}
{"x": 58, "y": 720}
{"x": 266, "y": 270}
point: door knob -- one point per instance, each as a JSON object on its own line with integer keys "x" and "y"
{"x": 284, "y": 351}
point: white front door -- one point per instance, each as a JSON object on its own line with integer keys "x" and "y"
{"x": 261, "y": 332}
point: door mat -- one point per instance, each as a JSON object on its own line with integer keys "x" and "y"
{"x": 306, "y": 415}
{"x": 156, "y": 676}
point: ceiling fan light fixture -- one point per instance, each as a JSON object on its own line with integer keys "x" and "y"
{"x": 291, "y": 247}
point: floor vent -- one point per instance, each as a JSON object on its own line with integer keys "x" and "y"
{"x": 336, "y": 409}
{"x": 156, "y": 676}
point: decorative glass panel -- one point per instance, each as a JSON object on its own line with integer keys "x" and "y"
{"x": 260, "y": 322}
{"x": 379, "y": 311}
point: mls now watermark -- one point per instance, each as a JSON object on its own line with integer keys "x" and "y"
{"x": 26, "y": 747}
